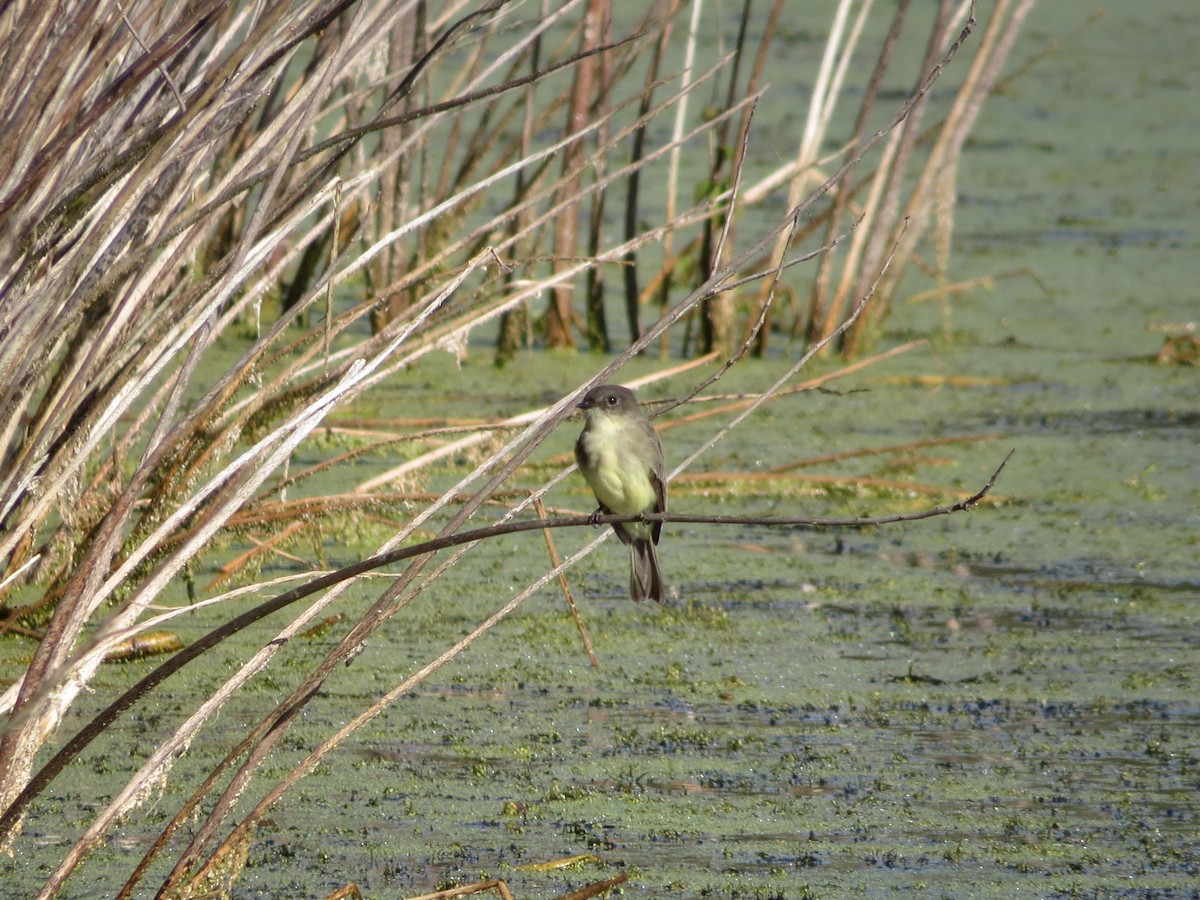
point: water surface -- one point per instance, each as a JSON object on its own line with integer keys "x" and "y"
{"x": 998, "y": 703}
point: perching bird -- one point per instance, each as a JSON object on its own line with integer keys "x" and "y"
{"x": 620, "y": 456}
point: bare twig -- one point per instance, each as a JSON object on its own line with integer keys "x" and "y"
{"x": 159, "y": 66}
{"x": 467, "y": 890}
{"x": 556, "y": 561}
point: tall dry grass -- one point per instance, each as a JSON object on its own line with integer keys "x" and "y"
{"x": 336, "y": 189}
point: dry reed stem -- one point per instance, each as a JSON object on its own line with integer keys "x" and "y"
{"x": 938, "y": 177}
{"x": 810, "y": 385}
{"x": 858, "y": 482}
{"x": 467, "y": 890}
{"x": 597, "y": 888}
{"x": 556, "y": 560}
{"x": 881, "y": 451}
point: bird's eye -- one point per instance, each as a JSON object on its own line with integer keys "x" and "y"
{"x": 612, "y": 399}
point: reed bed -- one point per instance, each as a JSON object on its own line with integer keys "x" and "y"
{"x": 308, "y": 197}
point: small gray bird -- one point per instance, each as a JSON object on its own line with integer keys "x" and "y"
{"x": 622, "y": 461}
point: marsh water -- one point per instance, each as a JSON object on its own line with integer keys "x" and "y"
{"x": 1000, "y": 703}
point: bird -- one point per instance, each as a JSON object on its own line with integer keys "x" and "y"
{"x": 621, "y": 458}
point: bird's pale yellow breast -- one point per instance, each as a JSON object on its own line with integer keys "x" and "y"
{"x": 619, "y": 480}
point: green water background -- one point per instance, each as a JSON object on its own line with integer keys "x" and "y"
{"x": 995, "y": 704}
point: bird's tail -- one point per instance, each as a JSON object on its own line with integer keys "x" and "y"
{"x": 645, "y": 579}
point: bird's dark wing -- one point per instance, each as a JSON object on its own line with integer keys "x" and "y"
{"x": 660, "y": 501}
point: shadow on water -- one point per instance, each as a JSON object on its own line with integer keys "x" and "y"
{"x": 1062, "y": 576}
{"x": 1165, "y": 424}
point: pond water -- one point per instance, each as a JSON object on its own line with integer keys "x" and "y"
{"x": 996, "y": 703}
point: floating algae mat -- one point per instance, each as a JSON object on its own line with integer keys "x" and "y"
{"x": 997, "y": 703}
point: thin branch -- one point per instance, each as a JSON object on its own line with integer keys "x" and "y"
{"x": 159, "y": 66}
{"x": 556, "y": 561}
